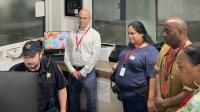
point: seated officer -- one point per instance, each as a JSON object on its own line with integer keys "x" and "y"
{"x": 52, "y": 83}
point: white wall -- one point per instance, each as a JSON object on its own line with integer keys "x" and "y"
{"x": 55, "y": 18}
{"x": 53, "y": 15}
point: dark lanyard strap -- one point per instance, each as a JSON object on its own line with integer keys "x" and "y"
{"x": 78, "y": 42}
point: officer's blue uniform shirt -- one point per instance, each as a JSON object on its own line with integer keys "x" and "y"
{"x": 139, "y": 67}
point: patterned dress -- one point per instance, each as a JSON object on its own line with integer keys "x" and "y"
{"x": 193, "y": 104}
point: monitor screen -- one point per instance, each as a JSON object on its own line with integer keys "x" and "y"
{"x": 55, "y": 40}
{"x": 18, "y": 91}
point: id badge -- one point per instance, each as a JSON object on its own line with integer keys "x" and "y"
{"x": 132, "y": 57}
{"x": 122, "y": 71}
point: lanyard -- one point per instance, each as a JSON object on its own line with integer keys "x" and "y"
{"x": 127, "y": 55}
{"x": 78, "y": 42}
{"x": 186, "y": 100}
{"x": 131, "y": 50}
{"x": 169, "y": 62}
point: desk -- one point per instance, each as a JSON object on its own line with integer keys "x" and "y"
{"x": 103, "y": 68}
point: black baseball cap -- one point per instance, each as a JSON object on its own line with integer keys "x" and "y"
{"x": 31, "y": 48}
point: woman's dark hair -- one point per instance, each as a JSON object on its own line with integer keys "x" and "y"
{"x": 193, "y": 52}
{"x": 139, "y": 27}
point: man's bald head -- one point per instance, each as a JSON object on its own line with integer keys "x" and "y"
{"x": 84, "y": 18}
{"x": 179, "y": 23}
{"x": 175, "y": 32}
{"x": 85, "y": 11}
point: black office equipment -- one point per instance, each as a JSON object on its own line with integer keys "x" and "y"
{"x": 114, "y": 56}
{"x": 18, "y": 91}
{"x": 54, "y": 54}
{"x": 72, "y": 7}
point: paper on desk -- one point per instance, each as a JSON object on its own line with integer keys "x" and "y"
{"x": 103, "y": 91}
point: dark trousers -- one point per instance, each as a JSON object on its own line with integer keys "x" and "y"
{"x": 133, "y": 102}
{"x": 75, "y": 86}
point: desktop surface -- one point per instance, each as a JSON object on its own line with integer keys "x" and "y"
{"x": 18, "y": 92}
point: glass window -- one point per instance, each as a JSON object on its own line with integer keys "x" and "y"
{"x": 111, "y": 17}
{"x": 143, "y": 11}
{"x": 187, "y": 9}
{"x": 18, "y": 21}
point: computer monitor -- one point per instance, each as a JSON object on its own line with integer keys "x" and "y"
{"x": 55, "y": 40}
{"x": 18, "y": 92}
